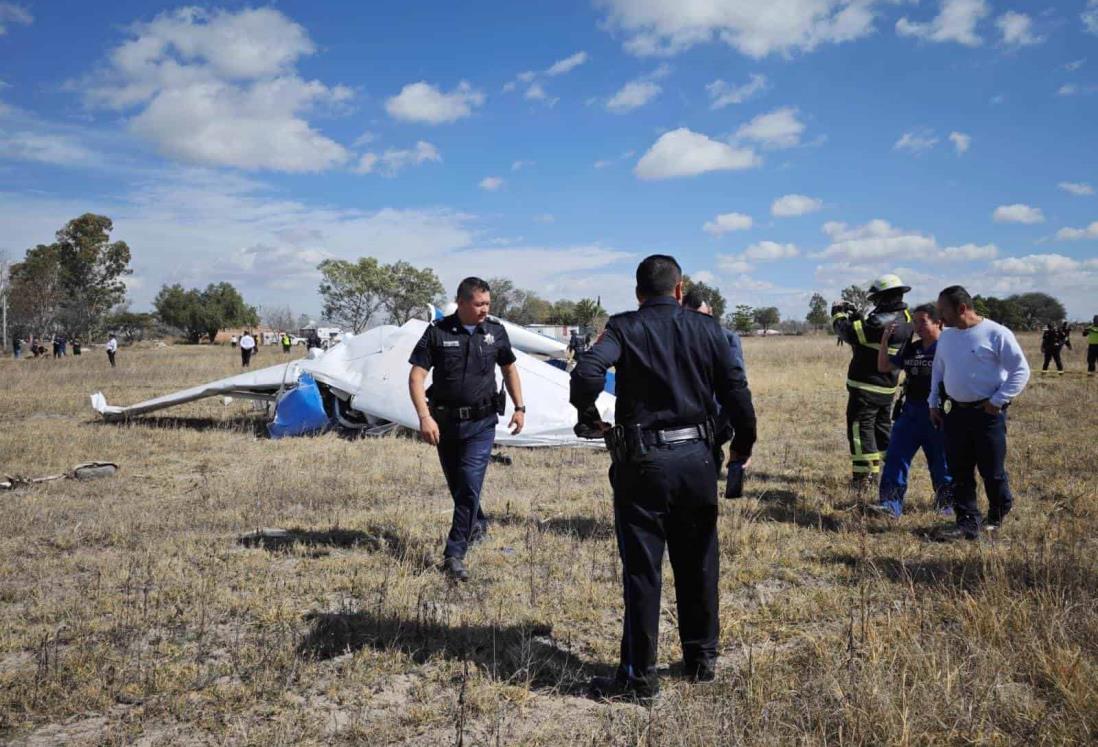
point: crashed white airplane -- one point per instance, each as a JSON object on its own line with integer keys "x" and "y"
{"x": 362, "y": 384}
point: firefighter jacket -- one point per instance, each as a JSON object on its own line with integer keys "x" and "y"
{"x": 864, "y": 337}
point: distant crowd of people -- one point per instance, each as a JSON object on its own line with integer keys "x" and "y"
{"x": 35, "y": 347}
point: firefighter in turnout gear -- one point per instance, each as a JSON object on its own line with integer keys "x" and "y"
{"x": 1091, "y": 333}
{"x": 869, "y": 391}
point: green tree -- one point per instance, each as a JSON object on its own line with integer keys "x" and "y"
{"x": 36, "y": 293}
{"x": 530, "y": 308}
{"x": 767, "y": 317}
{"x": 132, "y": 326}
{"x": 1002, "y": 310}
{"x": 742, "y": 319}
{"x": 224, "y": 307}
{"x": 563, "y": 312}
{"x": 354, "y": 292}
{"x": 858, "y": 296}
{"x": 1038, "y": 309}
{"x": 818, "y": 315}
{"x": 203, "y": 313}
{"x": 708, "y": 293}
{"x": 92, "y": 268}
{"x": 411, "y": 289}
{"x": 505, "y": 297}
{"x": 587, "y": 312}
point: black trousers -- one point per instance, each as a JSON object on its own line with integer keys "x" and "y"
{"x": 1092, "y": 357}
{"x": 464, "y": 450}
{"x": 245, "y": 357}
{"x": 976, "y": 441}
{"x": 110, "y": 357}
{"x": 667, "y": 498}
{"x": 868, "y": 430}
{"x": 1053, "y": 355}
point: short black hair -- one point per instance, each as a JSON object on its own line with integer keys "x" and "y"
{"x": 658, "y": 275}
{"x": 956, "y": 295}
{"x": 931, "y": 310}
{"x": 693, "y": 300}
{"x": 470, "y": 286}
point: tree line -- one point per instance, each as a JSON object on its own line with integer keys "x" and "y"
{"x": 76, "y": 286}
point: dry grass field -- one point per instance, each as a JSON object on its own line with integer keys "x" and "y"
{"x": 131, "y": 613}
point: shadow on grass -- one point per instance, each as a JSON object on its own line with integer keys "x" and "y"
{"x": 581, "y": 527}
{"x": 1062, "y": 573}
{"x": 786, "y": 507}
{"x": 513, "y": 653}
{"x": 253, "y": 425}
{"x": 376, "y": 538}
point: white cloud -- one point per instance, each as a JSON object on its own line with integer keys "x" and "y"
{"x": 43, "y": 147}
{"x": 560, "y": 67}
{"x": 392, "y": 161}
{"x": 878, "y": 239}
{"x": 1079, "y": 189}
{"x": 1074, "y": 65}
{"x": 1089, "y": 17}
{"x": 535, "y": 93}
{"x": 656, "y": 27}
{"x": 770, "y": 251}
{"x": 422, "y": 102}
{"x": 722, "y": 94}
{"x": 726, "y": 222}
{"x": 733, "y": 263}
{"x": 777, "y": 129}
{"x": 1018, "y": 213}
{"x": 1037, "y": 264}
{"x": 520, "y": 165}
{"x": 12, "y": 13}
{"x": 956, "y": 22}
{"x": 491, "y": 183}
{"x": 961, "y": 142}
{"x": 1016, "y": 29}
{"x": 219, "y": 88}
{"x": 916, "y": 141}
{"x": 1074, "y": 234}
{"x": 791, "y": 205}
{"x": 1068, "y": 89}
{"x": 633, "y": 95}
{"x": 683, "y": 152}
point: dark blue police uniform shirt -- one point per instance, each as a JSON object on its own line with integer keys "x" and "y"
{"x": 917, "y": 360}
{"x": 673, "y": 367}
{"x": 463, "y": 363}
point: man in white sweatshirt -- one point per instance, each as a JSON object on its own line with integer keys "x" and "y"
{"x": 981, "y": 368}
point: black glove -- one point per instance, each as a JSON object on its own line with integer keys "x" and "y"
{"x": 590, "y": 430}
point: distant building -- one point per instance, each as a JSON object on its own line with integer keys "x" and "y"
{"x": 560, "y": 332}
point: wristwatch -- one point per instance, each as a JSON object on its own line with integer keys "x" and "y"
{"x": 520, "y": 408}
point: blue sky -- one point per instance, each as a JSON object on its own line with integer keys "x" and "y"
{"x": 776, "y": 153}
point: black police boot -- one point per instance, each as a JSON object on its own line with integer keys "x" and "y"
{"x": 704, "y": 670}
{"x": 953, "y": 533}
{"x": 454, "y": 568}
{"x": 617, "y": 690}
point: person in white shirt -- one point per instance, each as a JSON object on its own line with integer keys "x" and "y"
{"x": 247, "y": 345}
{"x": 112, "y": 348}
{"x": 981, "y": 369}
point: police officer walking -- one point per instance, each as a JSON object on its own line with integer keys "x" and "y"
{"x": 1053, "y": 340}
{"x": 869, "y": 390}
{"x": 460, "y": 410}
{"x": 673, "y": 367}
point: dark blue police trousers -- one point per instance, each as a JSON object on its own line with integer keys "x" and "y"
{"x": 464, "y": 450}
{"x": 977, "y": 441}
{"x": 667, "y": 497}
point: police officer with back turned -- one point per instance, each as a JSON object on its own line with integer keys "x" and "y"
{"x": 673, "y": 367}
{"x": 458, "y": 414}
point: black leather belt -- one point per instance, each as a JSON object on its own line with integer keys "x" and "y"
{"x": 674, "y": 435}
{"x": 969, "y": 405}
{"x": 474, "y": 412}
